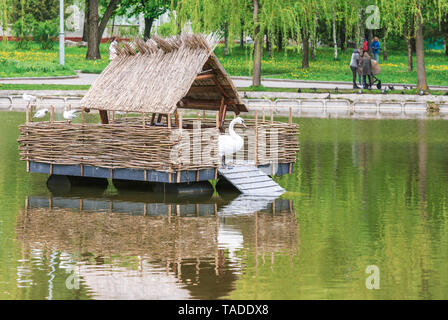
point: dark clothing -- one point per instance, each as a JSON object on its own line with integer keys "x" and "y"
{"x": 366, "y": 65}
{"x": 355, "y": 73}
{"x": 364, "y": 81}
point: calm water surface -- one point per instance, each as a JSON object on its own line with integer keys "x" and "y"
{"x": 364, "y": 192}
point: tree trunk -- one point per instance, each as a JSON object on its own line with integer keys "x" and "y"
{"x": 362, "y": 27}
{"x": 107, "y": 14}
{"x": 95, "y": 30}
{"x": 335, "y": 43}
{"x": 148, "y": 27}
{"x": 242, "y": 39}
{"x": 305, "y": 50}
{"x": 410, "y": 63}
{"x": 93, "y": 48}
{"x": 312, "y": 51}
{"x": 86, "y": 22}
{"x": 446, "y": 46}
{"x": 370, "y": 42}
{"x": 384, "y": 50}
{"x": 258, "y": 47}
{"x": 280, "y": 41}
{"x": 420, "y": 53}
{"x": 269, "y": 44}
{"x": 226, "y": 39}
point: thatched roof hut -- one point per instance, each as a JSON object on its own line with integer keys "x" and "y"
{"x": 160, "y": 75}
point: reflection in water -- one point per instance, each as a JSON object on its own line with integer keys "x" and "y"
{"x": 122, "y": 248}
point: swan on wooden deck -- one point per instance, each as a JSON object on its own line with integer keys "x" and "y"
{"x": 230, "y": 143}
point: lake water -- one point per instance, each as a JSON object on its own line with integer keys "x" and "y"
{"x": 363, "y": 193}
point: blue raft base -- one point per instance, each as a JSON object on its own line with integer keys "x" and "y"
{"x": 186, "y": 176}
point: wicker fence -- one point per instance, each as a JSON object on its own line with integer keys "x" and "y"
{"x": 133, "y": 143}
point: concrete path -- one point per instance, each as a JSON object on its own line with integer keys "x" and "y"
{"x": 87, "y": 78}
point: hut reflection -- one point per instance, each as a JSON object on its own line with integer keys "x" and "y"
{"x": 181, "y": 250}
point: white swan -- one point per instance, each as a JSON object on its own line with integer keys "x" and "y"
{"x": 41, "y": 113}
{"x": 231, "y": 143}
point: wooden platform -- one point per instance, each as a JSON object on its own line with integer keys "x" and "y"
{"x": 251, "y": 180}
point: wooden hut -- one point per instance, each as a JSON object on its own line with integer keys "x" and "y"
{"x": 152, "y": 82}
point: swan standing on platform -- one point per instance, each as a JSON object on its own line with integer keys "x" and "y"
{"x": 230, "y": 143}
{"x": 41, "y": 113}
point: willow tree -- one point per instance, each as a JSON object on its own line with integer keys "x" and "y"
{"x": 408, "y": 17}
{"x": 259, "y": 16}
{"x": 4, "y": 20}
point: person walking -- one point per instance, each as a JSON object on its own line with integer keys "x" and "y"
{"x": 354, "y": 65}
{"x": 112, "y": 48}
{"x": 366, "y": 70}
{"x": 376, "y": 48}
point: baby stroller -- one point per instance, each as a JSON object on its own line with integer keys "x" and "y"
{"x": 376, "y": 70}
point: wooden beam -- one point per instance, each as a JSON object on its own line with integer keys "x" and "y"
{"x": 205, "y": 76}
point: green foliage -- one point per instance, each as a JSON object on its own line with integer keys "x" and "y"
{"x": 128, "y": 32}
{"x": 167, "y": 29}
{"x": 41, "y": 10}
{"x": 23, "y": 29}
{"x": 45, "y": 32}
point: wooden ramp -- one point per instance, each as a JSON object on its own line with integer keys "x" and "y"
{"x": 251, "y": 181}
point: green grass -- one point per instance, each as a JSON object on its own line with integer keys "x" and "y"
{"x": 13, "y": 86}
{"x": 286, "y": 64}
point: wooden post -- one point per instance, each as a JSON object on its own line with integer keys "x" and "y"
{"x": 272, "y": 116}
{"x": 153, "y": 117}
{"x": 181, "y": 121}
{"x": 176, "y": 118}
{"x": 104, "y": 117}
{"x": 51, "y": 114}
{"x": 256, "y": 137}
{"x": 217, "y": 120}
{"x": 290, "y": 115}
{"x": 143, "y": 120}
{"x": 203, "y": 115}
{"x": 31, "y": 113}
{"x": 263, "y": 117}
{"x": 168, "y": 117}
{"x": 27, "y": 119}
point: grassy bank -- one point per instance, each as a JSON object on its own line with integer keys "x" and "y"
{"x": 286, "y": 64}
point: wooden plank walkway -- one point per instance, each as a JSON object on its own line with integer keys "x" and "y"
{"x": 251, "y": 180}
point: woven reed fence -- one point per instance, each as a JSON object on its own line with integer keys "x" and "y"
{"x": 132, "y": 143}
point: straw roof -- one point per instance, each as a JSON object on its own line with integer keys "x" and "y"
{"x": 160, "y": 75}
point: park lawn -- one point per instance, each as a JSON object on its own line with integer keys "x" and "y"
{"x": 286, "y": 64}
